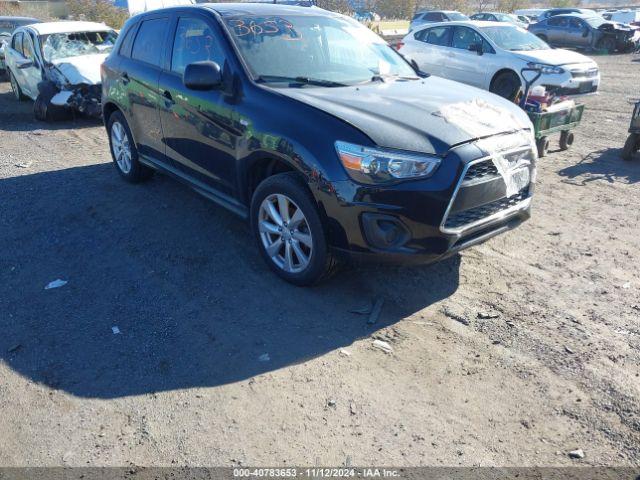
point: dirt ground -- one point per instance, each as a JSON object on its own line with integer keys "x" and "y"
{"x": 217, "y": 362}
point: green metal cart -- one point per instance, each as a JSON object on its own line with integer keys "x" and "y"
{"x": 547, "y": 123}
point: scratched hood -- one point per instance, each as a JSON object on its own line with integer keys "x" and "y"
{"x": 429, "y": 115}
{"x": 81, "y": 69}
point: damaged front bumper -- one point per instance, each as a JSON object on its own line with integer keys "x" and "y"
{"x": 85, "y": 99}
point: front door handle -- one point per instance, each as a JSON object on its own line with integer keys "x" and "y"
{"x": 168, "y": 98}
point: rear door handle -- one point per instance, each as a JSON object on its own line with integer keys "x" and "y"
{"x": 125, "y": 78}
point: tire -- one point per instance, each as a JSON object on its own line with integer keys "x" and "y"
{"x": 309, "y": 260}
{"x": 507, "y": 85}
{"x": 566, "y": 139}
{"x": 43, "y": 109}
{"x": 17, "y": 91}
{"x": 543, "y": 145}
{"x": 124, "y": 152}
{"x": 631, "y": 146}
{"x": 608, "y": 44}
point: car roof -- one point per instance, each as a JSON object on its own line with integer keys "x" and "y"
{"x": 572, "y": 15}
{"x": 47, "y": 28}
{"x": 468, "y": 23}
{"x": 18, "y": 19}
{"x": 231, "y": 9}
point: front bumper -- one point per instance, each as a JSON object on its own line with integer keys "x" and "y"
{"x": 465, "y": 203}
{"x": 577, "y": 80}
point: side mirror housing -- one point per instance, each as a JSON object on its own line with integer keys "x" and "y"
{"x": 585, "y": 32}
{"x": 476, "y": 47}
{"x": 202, "y": 76}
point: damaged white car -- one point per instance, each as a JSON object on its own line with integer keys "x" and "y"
{"x": 57, "y": 65}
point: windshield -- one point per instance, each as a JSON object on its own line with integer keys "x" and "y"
{"x": 456, "y": 17}
{"x": 514, "y": 38}
{"x": 331, "y": 51}
{"x": 595, "y": 21}
{"x": 65, "y": 45}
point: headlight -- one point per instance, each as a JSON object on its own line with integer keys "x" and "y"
{"x": 373, "y": 165}
{"x": 546, "y": 69}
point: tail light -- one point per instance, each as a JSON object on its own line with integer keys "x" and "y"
{"x": 398, "y": 45}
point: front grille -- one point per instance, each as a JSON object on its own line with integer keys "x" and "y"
{"x": 472, "y": 215}
{"x": 481, "y": 170}
{"x": 591, "y": 73}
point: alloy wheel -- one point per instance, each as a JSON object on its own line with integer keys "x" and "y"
{"x": 285, "y": 233}
{"x": 121, "y": 147}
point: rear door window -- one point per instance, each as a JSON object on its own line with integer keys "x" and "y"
{"x": 194, "y": 42}
{"x": 147, "y": 46}
{"x": 440, "y": 36}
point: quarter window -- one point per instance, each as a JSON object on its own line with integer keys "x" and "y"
{"x": 148, "y": 44}
{"x": 194, "y": 42}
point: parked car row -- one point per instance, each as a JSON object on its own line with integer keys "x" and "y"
{"x": 332, "y": 144}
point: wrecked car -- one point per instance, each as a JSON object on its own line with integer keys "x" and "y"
{"x": 588, "y": 32}
{"x": 57, "y": 65}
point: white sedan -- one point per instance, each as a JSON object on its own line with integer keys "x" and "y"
{"x": 492, "y": 55}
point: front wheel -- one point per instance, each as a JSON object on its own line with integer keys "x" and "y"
{"x": 631, "y": 146}
{"x": 17, "y": 91}
{"x": 507, "y": 85}
{"x": 289, "y": 231}
{"x": 608, "y": 44}
{"x": 543, "y": 145}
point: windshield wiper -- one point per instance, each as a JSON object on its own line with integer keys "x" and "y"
{"x": 299, "y": 80}
{"x": 383, "y": 78}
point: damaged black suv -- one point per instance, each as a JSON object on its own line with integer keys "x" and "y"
{"x": 312, "y": 127}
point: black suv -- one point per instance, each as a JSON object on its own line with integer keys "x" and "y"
{"x": 311, "y": 126}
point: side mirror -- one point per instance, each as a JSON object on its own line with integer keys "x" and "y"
{"x": 585, "y": 32}
{"x": 476, "y": 47}
{"x": 202, "y": 76}
{"x": 25, "y": 64}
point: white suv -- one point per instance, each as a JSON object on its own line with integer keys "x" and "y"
{"x": 491, "y": 55}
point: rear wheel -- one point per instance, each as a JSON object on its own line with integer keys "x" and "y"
{"x": 124, "y": 151}
{"x": 631, "y": 146}
{"x": 566, "y": 139}
{"x": 507, "y": 85}
{"x": 289, "y": 231}
{"x": 17, "y": 91}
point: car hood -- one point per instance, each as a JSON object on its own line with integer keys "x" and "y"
{"x": 553, "y": 56}
{"x": 83, "y": 69}
{"x": 429, "y": 115}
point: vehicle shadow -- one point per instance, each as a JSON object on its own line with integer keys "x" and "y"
{"x": 19, "y": 117}
{"x": 605, "y": 165}
{"x": 180, "y": 280}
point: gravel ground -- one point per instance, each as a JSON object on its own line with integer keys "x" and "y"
{"x": 217, "y": 362}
